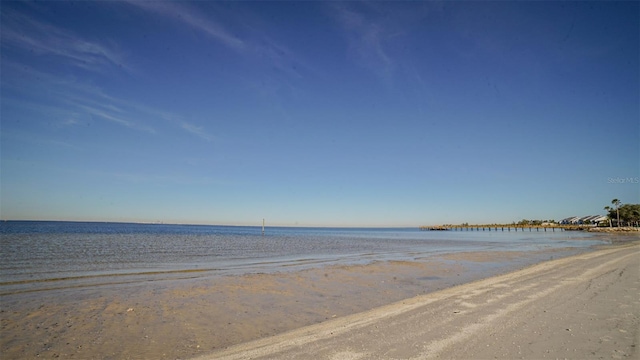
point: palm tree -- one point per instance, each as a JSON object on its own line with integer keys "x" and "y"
{"x": 617, "y": 203}
{"x": 608, "y": 210}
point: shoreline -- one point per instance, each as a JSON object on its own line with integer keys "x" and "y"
{"x": 624, "y": 229}
{"x": 582, "y": 306}
{"x": 191, "y": 317}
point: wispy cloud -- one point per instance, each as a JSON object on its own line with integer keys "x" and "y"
{"x": 110, "y": 116}
{"x": 74, "y": 100}
{"x": 374, "y": 30}
{"x": 197, "y": 131}
{"x": 38, "y": 139}
{"x": 68, "y": 101}
{"x": 182, "y": 13}
{"x": 120, "y": 111}
{"x": 255, "y": 44}
{"x": 27, "y": 33}
{"x": 146, "y": 111}
{"x": 366, "y": 39}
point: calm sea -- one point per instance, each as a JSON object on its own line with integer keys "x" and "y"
{"x": 36, "y": 254}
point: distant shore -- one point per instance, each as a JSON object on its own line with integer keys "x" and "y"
{"x": 614, "y": 229}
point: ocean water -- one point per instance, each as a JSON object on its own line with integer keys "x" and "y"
{"x": 39, "y": 254}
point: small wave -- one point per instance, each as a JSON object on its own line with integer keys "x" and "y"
{"x": 89, "y": 280}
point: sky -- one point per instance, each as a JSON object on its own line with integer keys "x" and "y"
{"x": 318, "y": 113}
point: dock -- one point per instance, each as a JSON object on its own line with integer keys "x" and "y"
{"x": 505, "y": 227}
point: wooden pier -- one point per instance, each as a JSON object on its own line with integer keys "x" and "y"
{"x": 510, "y": 227}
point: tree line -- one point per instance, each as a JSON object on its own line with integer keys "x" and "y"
{"x": 623, "y": 214}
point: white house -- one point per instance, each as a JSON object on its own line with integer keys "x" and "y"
{"x": 599, "y": 218}
{"x": 591, "y": 219}
{"x": 570, "y": 221}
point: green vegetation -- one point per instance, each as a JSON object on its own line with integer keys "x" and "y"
{"x": 624, "y": 215}
{"x": 521, "y": 223}
{"x": 535, "y": 222}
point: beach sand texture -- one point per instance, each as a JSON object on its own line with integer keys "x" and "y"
{"x": 586, "y": 306}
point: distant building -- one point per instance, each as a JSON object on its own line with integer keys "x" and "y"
{"x": 597, "y": 219}
{"x": 570, "y": 221}
{"x": 590, "y": 219}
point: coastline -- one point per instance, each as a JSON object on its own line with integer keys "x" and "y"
{"x": 626, "y": 229}
{"x": 583, "y": 306}
{"x": 168, "y": 319}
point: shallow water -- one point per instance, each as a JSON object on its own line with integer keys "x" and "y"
{"x": 36, "y": 254}
{"x": 89, "y": 290}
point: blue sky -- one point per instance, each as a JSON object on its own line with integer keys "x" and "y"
{"x": 318, "y": 113}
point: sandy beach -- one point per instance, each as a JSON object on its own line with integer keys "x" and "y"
{"x": 581, "y": 306}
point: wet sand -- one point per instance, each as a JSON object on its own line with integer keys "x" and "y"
{"x": 581, "y": 307}
{"x": 178, "y": 319}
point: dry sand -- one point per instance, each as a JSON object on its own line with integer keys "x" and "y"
{"x": 521, "y": 314}
{"x": 586, "y": 306}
